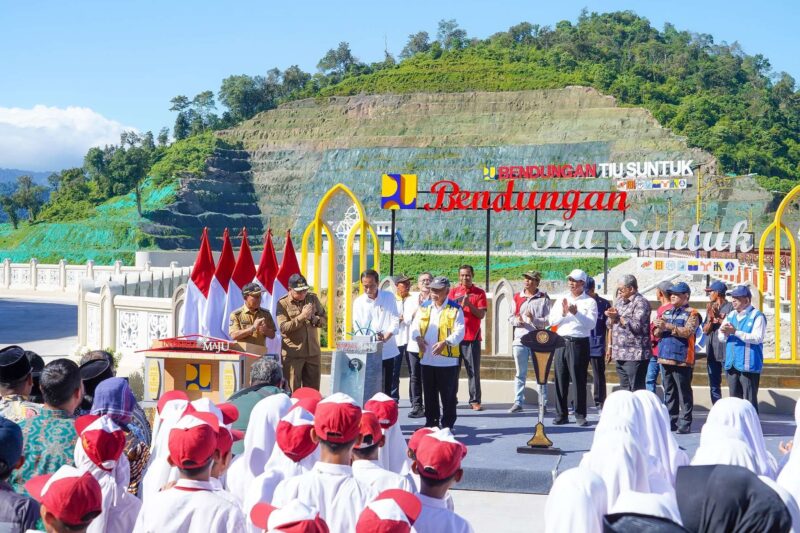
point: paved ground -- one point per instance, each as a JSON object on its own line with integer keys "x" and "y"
{"x": 46, "y": 325}
{"x": 501, "y": 512}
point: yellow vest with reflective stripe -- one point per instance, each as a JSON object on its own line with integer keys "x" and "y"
{"x": 447, "y": 320}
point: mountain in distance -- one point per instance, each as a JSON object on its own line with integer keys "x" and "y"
{"x": 10, "y": 175}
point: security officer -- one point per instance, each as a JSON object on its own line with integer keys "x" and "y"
{"x": 16, "y": 383}
{"x": 251, "y": 322}
{"x": 300, "y": 315}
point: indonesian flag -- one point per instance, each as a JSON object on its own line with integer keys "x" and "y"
{"x": 194, "y": 304}
{"x": 265, "y": 276}
{"x": 243, "y": 274}
{"x": 216, "y": 322}
{"x": 288, "y": 267}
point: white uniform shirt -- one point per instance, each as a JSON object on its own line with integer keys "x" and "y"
{"x": 418, "y": 300}
{"x": 188, "y": 507}
{"x": 332, "y": 490}
{"x": 432, "y": 337}
{"x": 578, "y": 325}
{"x": 372, "y": 474}
{"x": 436, "y": 517}
{"x": 379, "y": 315}
{"x": 754, "y": 337}
{"x": 406, "y": 307}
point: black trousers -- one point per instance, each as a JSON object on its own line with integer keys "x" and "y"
{"x": 677, "y": 382}
{"x": 440, "y": 383}
{"x": 391, "y": 376}
{"x": 744, "y": 385}
{"x": 599, "y": 379}
{"x": 414, "y": 377}
{"x": 471, "y": 357}
{"x": 571, "y": 365}
{"x": 632, "y": 374}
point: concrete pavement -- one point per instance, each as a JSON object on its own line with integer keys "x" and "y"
{"x": 47, "y": 325}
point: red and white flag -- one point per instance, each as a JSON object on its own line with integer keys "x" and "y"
{"x": 243, "y": 273}
{"x": 216, "y": 322}
{"x": 288, "y": 267}
{"x": 265, "y": 276}
{"x": 195, "y": 302}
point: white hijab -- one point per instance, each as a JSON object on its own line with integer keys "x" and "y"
{"x": 741, "y": 414}
{"x": 120, "y": 508}
{"x": 724, "y": 445}
{"x": 617, "y": 458}
{"x": 788, "y": 500}
{"x": 393, "y": 456}
{"x": 159, "y": 471}
{"x": 661, "y": 505}
{"x": 660, "y": 440}
{"x": 577, "y": 502}
{"x": 789, "y": 478}
{"x": 259, "y": 440}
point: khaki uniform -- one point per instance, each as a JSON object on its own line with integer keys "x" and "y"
{"x": 300, "y": 348}
{"x": 243, "y": 318}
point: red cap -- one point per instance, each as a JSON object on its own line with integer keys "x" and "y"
{"x": 102, "y": 440}
{"x": 413, "y": 442}
{"x": 393, "y": 511}
{"x": 294, "y": 517}
{"x": 230, "y": 413}
{"x": 385, "y": 408}
{"x": 369, "y": 429}
{"x": 193, "y": 440}
{"x": 309, "y": 404}
{"x": 225, "y": 440}
{"x": 72, "y": 496}
{"x": 337, "y": 418}
{"x": 306, "y": 392}
{"x": 293, "y": 434}
{"x": 168, "y": 397}
{"x": 439, "y": 455}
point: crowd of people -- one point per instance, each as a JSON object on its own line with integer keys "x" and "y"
{"x": 86, "y": 460}
{"x": 77, "y": 452}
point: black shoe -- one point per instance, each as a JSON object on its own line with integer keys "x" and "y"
{"x": 673, "y": 428}
{"x": 581, "y": 422}
{"x": 683, "y": 430}
{"x": 417, "y": 412}
{"x": 560, "y": 421}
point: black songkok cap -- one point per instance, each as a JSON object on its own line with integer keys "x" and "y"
{"x": 14, "y": 365}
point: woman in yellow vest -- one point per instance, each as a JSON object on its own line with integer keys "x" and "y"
{"x": 438, "y": 328}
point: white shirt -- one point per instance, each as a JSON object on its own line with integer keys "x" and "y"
{"x": 581, "y": 323}
{"x": 432, "y": 337}
{"x": 436, "y": 518}
{"x": 418, "y": 300}
{"x": 754, "y": 337}
{"x": 378, "y": 315}
{"x": 371, "y": 473}
{"x": 406, "y": 308}
{"x": 190, "y": 506}
{"x": 332, "y": 490}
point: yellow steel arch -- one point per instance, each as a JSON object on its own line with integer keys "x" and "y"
{"x": 777, "y": 226}
{"x": 317, "y": 226}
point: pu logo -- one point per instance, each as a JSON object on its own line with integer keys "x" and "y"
{"x": 198, "y": 376}
{"x": 399, "y": 191}
{"x": 489, "y": 173}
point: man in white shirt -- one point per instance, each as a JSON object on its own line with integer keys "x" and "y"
{"x": 366, "y": 467}
{"x": 573, "y": 318}
{"x": 412, "y": 350}
{"x": 438, "y": 329}
{"x": 375, "y": 313}
{"x": 438, "y": 464}
{"x": 330, "y": 486}
{"x": 743, "y": 331}
{"x": 192, "y": 504}
{"x": 407, "y": 304}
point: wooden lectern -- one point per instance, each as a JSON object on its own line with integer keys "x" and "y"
{"x": 542, "y": 344}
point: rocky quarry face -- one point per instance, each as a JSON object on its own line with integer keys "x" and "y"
{"x": 292, "y": 155}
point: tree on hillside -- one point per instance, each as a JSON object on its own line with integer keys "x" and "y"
{"x": 181, "y": 128}
{"x": 29, "y": 196}
{"x": 294, "y": 79}
{"x": 243, "y": 95}
{"x": 97, "y": 163}
{"x": 450, "y": 35}
{"x": 163, "y": 137}
{"x": 11, "y": 209}
{"x": 339, "y": 60}
{"x": 129, "y": 165}
{"x": 417, "y": 43}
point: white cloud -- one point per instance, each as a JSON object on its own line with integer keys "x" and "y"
{"x": 52, "y": 138}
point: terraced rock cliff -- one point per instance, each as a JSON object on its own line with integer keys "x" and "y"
{"x": 300, "y": 150}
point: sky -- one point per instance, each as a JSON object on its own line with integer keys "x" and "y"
{"x": 75, "y": 74}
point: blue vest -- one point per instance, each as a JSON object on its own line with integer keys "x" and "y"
{"x": 677, "y": 348}
{"x": 741, "y": 355}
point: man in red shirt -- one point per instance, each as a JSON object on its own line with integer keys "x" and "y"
{"x": 472, "y": 300}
